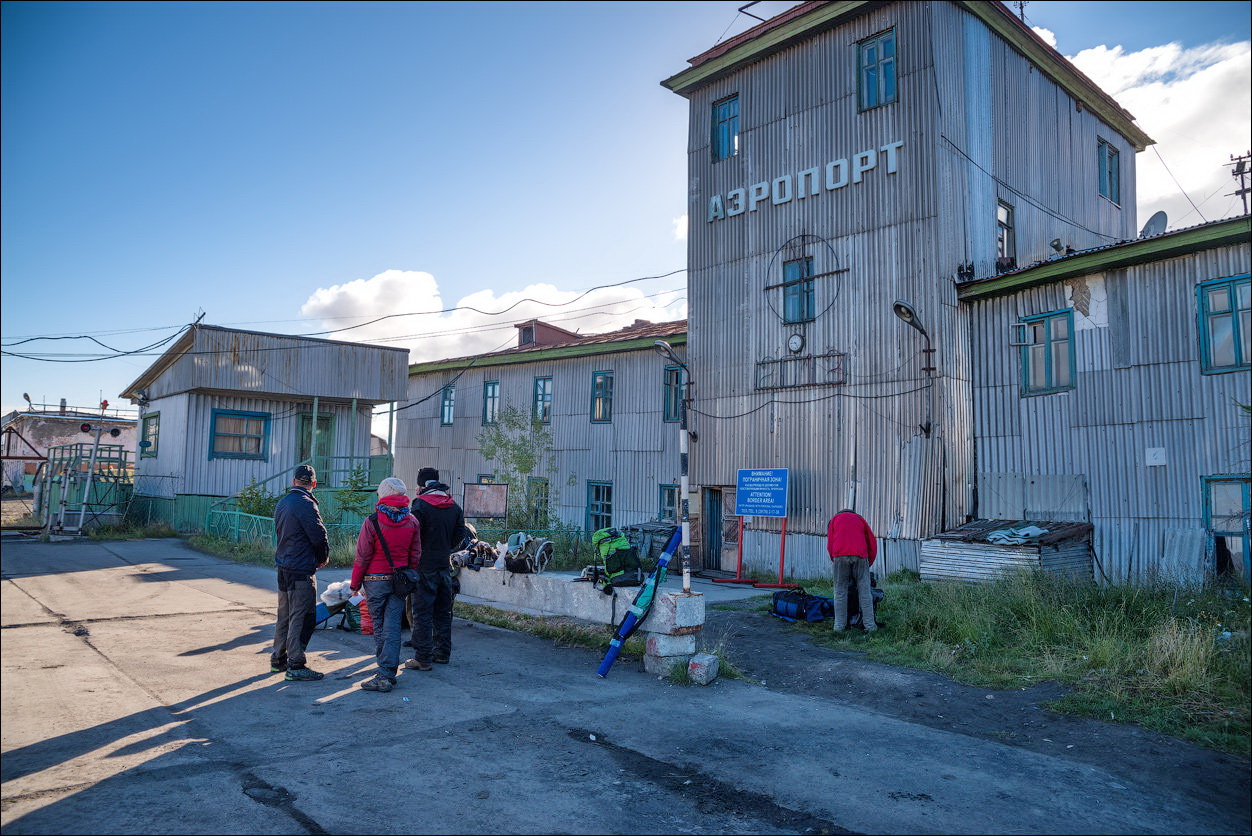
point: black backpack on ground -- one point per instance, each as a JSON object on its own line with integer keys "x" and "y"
{"x": 798, "y": 605}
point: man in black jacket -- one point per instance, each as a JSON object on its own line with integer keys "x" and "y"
{"x": 302, "y": 549}
{"x": 443, "y": 532}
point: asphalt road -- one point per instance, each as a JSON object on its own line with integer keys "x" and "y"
{"x": 137, "y": 699}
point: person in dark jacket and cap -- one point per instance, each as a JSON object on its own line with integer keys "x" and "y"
{"x": 303, "y": 548}
{"x": 443, "y": 531}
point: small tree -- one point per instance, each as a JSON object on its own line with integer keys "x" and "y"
{"x": 352, "y": 496}
{"x": 255, "y": 499}
{"x": 520, "y": 446}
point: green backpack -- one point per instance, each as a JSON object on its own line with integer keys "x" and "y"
{"x": 621, "y": 560}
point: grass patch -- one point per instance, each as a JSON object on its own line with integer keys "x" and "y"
{"x": 1171, "y": 659}
{"x": 130, "y": 531}
{"x": 562, "y": 632}
{"x": 261, "y": 552}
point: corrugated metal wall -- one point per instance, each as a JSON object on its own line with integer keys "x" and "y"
{"x": 977, "y": 125}
{"x": 637, "y": 451}
{"x": 1139, "y": 386}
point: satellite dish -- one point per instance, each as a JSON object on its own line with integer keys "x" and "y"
{"x": 1155, "y": 225}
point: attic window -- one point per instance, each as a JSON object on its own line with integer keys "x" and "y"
{"x": 526, "y": 335}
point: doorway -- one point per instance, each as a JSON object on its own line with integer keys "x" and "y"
{"x": 721, "y": 529}
{"x": 325, "y": 443}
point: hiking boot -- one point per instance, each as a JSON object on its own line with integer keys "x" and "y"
{"x": 417, "y": 665}
{"x": 303, "y": 675}
{"x": 378, "y": 683}
{"x": 441, "y": 660}
{"x": 278, "y": 667}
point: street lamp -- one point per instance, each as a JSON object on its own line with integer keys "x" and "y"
{"x": 666, "y": 350}
{"x": 906, "y": 313}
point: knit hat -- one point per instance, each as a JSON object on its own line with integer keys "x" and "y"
{"x": 427, "y": 474}
{"x": 391, "y": 486}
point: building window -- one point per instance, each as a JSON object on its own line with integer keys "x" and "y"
{"x": 673, "y": 405}
{"x": 486, "y": 478}
{"x": 526, "y": 335}
{"x": 150, "y": 433}
{"x": 668, "y": 510}
{"x": 1110, "y": 172}
{"x": 446, "y": 405}
{"x": 725, "y": 138}
{"x": 543, "y": 400}
{"x": 599, "y": 505}
{"x": 1006, "y": 238}
{"x": 876, "y": 76}
{"x": 1225, "y": 310}
{"x": 537, "y": 499}
{"x": 239, "y": 435}
{"x": 1048, "y": 353}
{"x": 601, "y": 397}
{"x": 491, "y": 401}
{"x": 797, "y": 288}
{"x": 1227, "y": 505}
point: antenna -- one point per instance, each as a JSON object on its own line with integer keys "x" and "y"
{"x": 1155, "y": 225}
{"x": 1239, "y": 171}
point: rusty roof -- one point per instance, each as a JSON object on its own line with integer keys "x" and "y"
{"x": 1058, "y": 531}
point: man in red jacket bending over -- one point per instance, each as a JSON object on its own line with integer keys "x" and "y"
{"x": 852, "y": 548}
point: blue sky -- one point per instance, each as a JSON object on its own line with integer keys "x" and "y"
{"x": 297, "y": 167}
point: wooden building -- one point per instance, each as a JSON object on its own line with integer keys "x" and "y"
{"x": 223, "y": 408}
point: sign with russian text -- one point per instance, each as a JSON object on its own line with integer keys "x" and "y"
{"x": 761, "y": 493}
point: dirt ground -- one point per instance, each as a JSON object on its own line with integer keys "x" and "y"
{"x": 12, "y": 510}
{"x": 783, "y": 658}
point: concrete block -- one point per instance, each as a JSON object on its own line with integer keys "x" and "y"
{"x": 675, "y": 614}
{"x": 659, "y": 644}
{"x": 703, "y": 668}
{"x": 663, "y": 665}
{"x": 544, "y": 595}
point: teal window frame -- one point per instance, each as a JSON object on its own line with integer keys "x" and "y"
{"x": 491, "y": 402}
{"x": 1109, "y": 170}
{"x": 724, "y": 132}
{"x": 799, "y": 302}
{"x": 540, "y": 493}
{"x": 876, "y": 78}
{"x": 1238, "y": 331}
{"x": 447, "y": 405}
{"x": 599, "y": 505}
{"x": 667, "y": 503}
{"x": 672, "y": 393}
{"x": 151, "y": 432}
{"x": 1047, "y": 348}
{"x": 1237, "y": 530}
{"x": 602, "y": 397}
{"x": 263, "y": 455}
{"x": 541, "y": 399}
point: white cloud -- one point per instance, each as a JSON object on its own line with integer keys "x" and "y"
{"x": 1197, "y": 105}
{"x": 680, "y": 228}
{"x": 477, "y": 324}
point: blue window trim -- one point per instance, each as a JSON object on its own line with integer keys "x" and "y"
{"x": 546, "y": 416}
{"x": 671, "y": 394}
{"x": 263, "y": 456}
{"x": 1206, "y": 499}
{"x": 724, "y": 130}
{"x": 1026, "y": 390}
{"x": 884, "y": 66}
{"x": 602, "y": 393}
{"x": 487, "y": 384}
{"x": 150, "y": 452}
{"x": 1109, "y": 171}
{"x": 664, "y": 509}
{"x": 447, "y": 405}
{"x": 1202, "y": 318}
{"x": 798, "y": 283}
{"x": 591, "y": 486}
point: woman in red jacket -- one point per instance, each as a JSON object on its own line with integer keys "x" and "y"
{"x": 393, "y": 523}
{"x": 852, "y": 548}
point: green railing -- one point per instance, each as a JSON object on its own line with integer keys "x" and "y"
{"x": 240, "y": 527}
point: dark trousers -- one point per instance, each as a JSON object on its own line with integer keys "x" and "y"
{"x": 432, "y": 616}
{"x": 297, "y": 616}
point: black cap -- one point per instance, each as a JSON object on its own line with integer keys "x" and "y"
{"x": 305, "y": 473}
{"x": 427, "y": 474}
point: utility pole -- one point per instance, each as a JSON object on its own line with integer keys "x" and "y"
{"x": 1239, "y": 171}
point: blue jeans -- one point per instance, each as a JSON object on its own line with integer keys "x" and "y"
{"x": 386, "y": 610}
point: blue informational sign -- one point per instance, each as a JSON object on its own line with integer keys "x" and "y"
{"x": 761, "y": 493}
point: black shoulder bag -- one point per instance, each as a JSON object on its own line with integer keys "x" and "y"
{"x": 404, "y": 580}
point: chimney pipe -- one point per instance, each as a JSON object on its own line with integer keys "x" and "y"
{"x": 62, "y": 406}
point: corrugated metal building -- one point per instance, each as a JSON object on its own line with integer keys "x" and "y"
{"x": 609, "y": 402}
{"x": 1107, "y": 389}
{"x": 223, "y": 407}
{"x": 844, "y": 156}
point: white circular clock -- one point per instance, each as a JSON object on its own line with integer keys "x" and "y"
{"x": 795, "y": 343}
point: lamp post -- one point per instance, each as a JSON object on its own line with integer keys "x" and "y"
{"x": 906, "y": 313}
{"x": 666, "y": 350}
